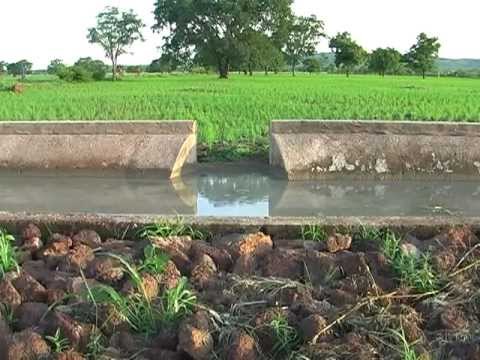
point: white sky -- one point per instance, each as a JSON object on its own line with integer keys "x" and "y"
{"x": 41, "y": 30}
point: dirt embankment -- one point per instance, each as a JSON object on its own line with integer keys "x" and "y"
{"x": 368, "y": 295}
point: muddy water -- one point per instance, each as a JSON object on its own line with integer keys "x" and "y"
{"x": 236, "y": 190}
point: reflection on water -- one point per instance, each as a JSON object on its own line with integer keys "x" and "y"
{"x": 229, "y": 191}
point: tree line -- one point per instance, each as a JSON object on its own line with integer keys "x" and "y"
{"x": 233, "y": 35}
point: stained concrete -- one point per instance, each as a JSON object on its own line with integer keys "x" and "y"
{"x": 375, "y": 149}
{"x": 98, "y": 145}
{"x": 280, "y": 227}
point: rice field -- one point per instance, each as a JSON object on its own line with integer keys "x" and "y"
{"x": 238, "y": 110}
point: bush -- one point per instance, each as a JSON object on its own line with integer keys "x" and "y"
{"x": 75, "y": 73}
{"x": 84, "y": 70}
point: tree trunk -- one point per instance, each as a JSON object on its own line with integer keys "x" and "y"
{"x": 266, "y": 70}
{"x": 293, "y": 69}
{"x": 423, "y": 74}
{"x": 223, "y": 69}
{"x": 348, "y": 73}
{"x": 114, "y": 70}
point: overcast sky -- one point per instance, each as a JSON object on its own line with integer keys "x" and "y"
{"x": 41, "y": 30}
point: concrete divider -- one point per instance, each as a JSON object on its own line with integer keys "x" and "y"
{"x": 140, "y": 145}
{"x": 375, "y": 149}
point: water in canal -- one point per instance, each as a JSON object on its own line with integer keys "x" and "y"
{"x": 230, "y": 190}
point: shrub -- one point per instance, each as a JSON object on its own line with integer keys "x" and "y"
{"x": 84, "y": 70}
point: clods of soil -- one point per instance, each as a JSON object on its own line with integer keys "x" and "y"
{"x": 369, "y": 294}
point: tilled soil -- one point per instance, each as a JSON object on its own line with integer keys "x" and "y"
{"x": 341, "y": 297}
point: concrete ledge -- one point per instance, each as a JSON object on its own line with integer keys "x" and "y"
{"x": 375, "y": 149}
{"x": 278, "y": 227}
{"x": 91, "y": 145}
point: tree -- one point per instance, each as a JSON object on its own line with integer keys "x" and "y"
{"x": 312, "y": 65}
{"x": 216, "y": 33}
{"x": 115, "y": 32}
{"x": 22, "y": 68}
{"x": 348, "y": 53}
{"x": 422, "y": 56}
{"x": 384, "y": 61}
{"x": 303, "y": 38}
{"x": 96, "y": 68}
{"x": 165, "y": 63}
{"x": 56, "y": 67}
{"x": 3, "y": 67}
{"x": 260, "y": 52}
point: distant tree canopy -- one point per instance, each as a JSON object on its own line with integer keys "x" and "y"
{"x": 303, "y": 38}
{"x": 3, "y": 67}
{"x": 423, "y": 55}
{"x": 223, "y": 33}
{"x": 115, "y": 32}
{"x": 56, "y": 67}
{"x": 384, "y": 61}
{"x": 348, "y": 53}
{"x": 260, "y": 52}
{"x": 85, "y": 69}
{"x": 312, "y": 65}
{"x": 20, "y": 68}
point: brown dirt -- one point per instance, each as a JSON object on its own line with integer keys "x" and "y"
{"x": 342, "y": 299}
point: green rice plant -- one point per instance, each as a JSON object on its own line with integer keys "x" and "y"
{"x": 240, "y": 109}
{"x": 286, "y": 339}
{"x": 178, "y": 302}
{"x": 58, "y": 342}
{"x": 314, "y": 233}
{"x": 154, "y": 261}
{"x": 8, "y": 257}
{"x": 406, "y": 350}
{"x": 171, "y": 228}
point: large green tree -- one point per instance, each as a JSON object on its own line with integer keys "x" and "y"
{"x": 3, "y": 67}
{"x": 20, "y": 68}
{"x": 115, "y": 32}
{"x": 303, "y": 38}
{"x": 422, "y": 56}
{"x": 383, "y": 61}
{"x": 217, "y": 33}
{"x": 348, "y": 54}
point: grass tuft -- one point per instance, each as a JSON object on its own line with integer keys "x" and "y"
{"x": 314, "y": 233}
{"x": 286, "y": 337}
{"x": 58, "y": 342}
{"x": 406, "y": 349}
{"x": 171, "y": 228}
{"x": 95, "y": 346}
{"x": 368, "y": 233}
{"x": 8, "y": 315}
{"x": 154, "y": 261}
{"x": 8, "y": 257}
{"x": 178, "y": 302}
{"x": 413, "y": 271}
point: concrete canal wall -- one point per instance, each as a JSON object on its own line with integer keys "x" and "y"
{"x": 375, "y": 149}
{"x": 140, "y": 145}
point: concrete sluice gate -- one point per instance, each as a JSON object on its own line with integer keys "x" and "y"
{"x": 318, "y": 170}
